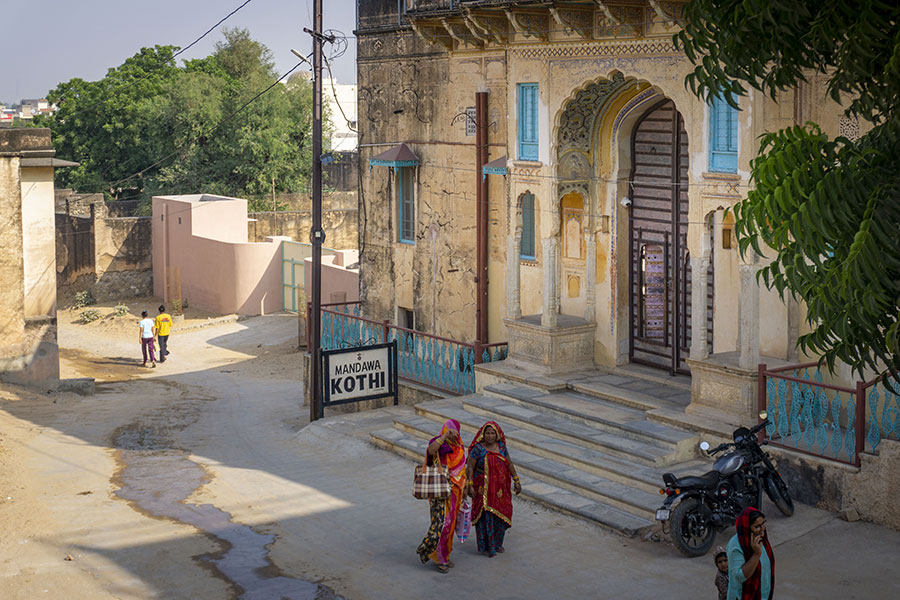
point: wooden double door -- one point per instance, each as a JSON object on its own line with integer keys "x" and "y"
{"x": 660, "y": 267}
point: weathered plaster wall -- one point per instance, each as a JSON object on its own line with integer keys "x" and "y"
{"x": 410, "y": 92}
{"x": 341, "y": 226}
{"x": 110, "y": 257}
{"x": 12, "y": 271}
{"x": 29, "y": 353}
{"x": 38, "y": 238}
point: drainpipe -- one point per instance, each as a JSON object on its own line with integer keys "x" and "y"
{"x": 481, "y": 226}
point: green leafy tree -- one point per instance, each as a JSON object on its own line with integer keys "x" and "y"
{"x": 151, "y": 127}
{"x": 827, "y": 211}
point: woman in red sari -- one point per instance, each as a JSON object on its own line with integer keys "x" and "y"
{"x": 449, "y": 450}
{"x": 490, "y": 472}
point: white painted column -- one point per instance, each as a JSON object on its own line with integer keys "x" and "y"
{"x": 699, "y": 291}
{"x": 513, "y": 280}
{"x": 748, "y": 309}
{"x": 549, "y": 300}
{"x": 590, "y": 277}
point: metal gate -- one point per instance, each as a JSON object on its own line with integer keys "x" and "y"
{"x": 293, "y": 273}
{"x": 660, "y": 272}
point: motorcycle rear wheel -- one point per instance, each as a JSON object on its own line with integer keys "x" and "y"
{"x": 778, "y": 493}
{"x": 693, "y": 536}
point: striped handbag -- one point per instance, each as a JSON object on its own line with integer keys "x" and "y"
{"x": 431, "y": 482}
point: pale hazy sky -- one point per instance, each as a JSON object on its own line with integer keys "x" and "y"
{"x": 45, "y": 43}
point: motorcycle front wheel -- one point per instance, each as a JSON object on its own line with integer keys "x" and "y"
{"x": 692, "y": 534}
{"x": 778, "y": 493}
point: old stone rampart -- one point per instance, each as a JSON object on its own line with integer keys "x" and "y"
{"x": 108, "y": 256}
{"x": 341, "y": 226}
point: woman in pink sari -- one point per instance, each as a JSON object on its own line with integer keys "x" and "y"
{"x": 438, "y": 542}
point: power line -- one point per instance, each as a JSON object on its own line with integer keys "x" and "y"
{"x": 205, "y": 133}
{"x": 148, "y": 73}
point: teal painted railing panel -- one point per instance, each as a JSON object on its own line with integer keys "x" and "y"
{"x": 439, "y": 363}
{"x": 821, "y": 420}
{"x": 805, "y": 417}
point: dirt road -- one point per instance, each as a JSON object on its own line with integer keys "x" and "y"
{"x": 96, "y": 491}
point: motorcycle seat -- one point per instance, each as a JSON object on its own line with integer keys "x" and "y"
{"x": 707, "y": 480}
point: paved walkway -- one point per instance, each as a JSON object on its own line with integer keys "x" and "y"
{"x": 341, "y": 511}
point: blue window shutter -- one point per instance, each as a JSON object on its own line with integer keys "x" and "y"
{"x": 527, "y": 248}
{"x": 406, "y": 205}
{"x": 528, "y": 121}
{"x": 723, "y": 151}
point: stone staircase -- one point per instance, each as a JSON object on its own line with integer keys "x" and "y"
{"x": 588, "y": 449}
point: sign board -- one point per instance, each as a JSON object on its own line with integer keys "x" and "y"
{"x": 359, "y": 373}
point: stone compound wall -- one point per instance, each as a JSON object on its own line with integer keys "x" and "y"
{"x": 341, "y": 226}
{"x": 108, "y": 256}
{"x": 870, "y": 490}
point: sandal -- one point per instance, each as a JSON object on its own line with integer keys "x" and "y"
{"x": 450, "y": 564}
{"x": 443, "y": 568}
{"x": 500, "y": 550}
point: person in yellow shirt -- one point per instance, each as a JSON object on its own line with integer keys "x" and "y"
{"x": 163, "y": 328}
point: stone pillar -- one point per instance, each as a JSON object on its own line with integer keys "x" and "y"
{"x": 513, "y": 286}
{"x": 549, "y": 301}
{"x": 748, "y": 309}
{"x": 699, "y": 291}
{"x": 590, "y": 277}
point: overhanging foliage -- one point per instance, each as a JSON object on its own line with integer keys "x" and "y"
{"x": 826, "y": 211}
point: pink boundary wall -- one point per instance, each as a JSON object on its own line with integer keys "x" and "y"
{"x": 205, "y": 237}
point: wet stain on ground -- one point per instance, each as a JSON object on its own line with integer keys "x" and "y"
{"x": 157, "y": 478}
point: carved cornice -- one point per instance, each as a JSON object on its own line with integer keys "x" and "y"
{"x": 604, "y": 20}
{"x": 529, "y": 24}
{"x": 463, "y": 38}
{"x": 497, "y": 25}
{"x": 574, "y": 21}
{"x": 669, "y": 11}
{"x": 432, "y": 34}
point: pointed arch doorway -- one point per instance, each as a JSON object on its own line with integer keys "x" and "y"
{"x": 659, "y": 262}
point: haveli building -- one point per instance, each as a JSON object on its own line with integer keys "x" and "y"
{"x": 604, "y": 236}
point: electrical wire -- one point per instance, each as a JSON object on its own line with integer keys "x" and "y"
{"x": 350, "y": 125}
{"x": 205, "y": 133}
{"x": 148, "y": 72}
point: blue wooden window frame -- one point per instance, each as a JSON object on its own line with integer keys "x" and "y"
{"x": 406, "y": 205}
{"x": 526, "y": 250}
{"x": 529, "y": 143}
{"x": 723, "y": 133}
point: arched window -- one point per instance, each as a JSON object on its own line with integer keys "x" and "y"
{"x": 723, "y": 149}
{"x": 527, "y": 249}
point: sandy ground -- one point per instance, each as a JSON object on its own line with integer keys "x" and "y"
{"x": 213, "y": 448}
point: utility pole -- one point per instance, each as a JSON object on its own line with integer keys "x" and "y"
{"x": 316, "y": 234}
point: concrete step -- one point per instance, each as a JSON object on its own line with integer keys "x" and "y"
{"x": 615, "y": 468}
{"x": 648, "y": 452}
{"x": 621, "y": 495}
{"x": 554, "y": 497}
{"x": 603, "y": 414}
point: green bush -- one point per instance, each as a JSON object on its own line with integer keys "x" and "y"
{"x": 120, "y": 310}
{"x": 85, "y": 298}
{"x": 88, "y": 316}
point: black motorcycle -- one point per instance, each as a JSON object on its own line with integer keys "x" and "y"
{"x": 712, "y": 502}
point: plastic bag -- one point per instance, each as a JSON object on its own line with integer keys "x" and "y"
{"x": 464, "y": 520}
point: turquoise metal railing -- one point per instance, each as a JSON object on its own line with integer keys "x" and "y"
{"x": 826, "y": 420}
{"x": 430, "y": 360}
